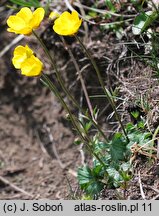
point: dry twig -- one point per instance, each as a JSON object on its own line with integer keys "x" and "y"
{"x": 141, "y": 188}
{"x": 5, "y": 181}
{"x": 9, "y": 46}
{"x": 53, "y": 148}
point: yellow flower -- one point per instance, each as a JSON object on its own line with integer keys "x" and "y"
{"x": 53, "y": 15}
{"x": 24, "y": 59}
{"x": 20, "y": 55}
{"x": 31, "y": 67}
{"x": 67, "y": 24}
{"x": 25, "y": 21}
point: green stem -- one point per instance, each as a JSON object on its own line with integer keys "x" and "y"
{"x": 103, "y": 86}
{"x": 53, "y": 88}
{"x": 95, "y": 155}
{"x": 54, "y": 66}
{"x": 153, "y": 137}
{"x": 80, "y": 77}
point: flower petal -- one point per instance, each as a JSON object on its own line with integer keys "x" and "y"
{"x": 18, "y": 26}
{"x": 25, "y": 14}
{"x": 53, "y": 15}
{"x": 75, "y": 15}
{"x": 65, "y": 16}
{"x": 19, "y": 57}
{"x": 15, "y": 23}
{"x": 67, "y": 24}
{"x": 38, "y": 16}
{"x": 25, "y": 21}
{"x": 20, "y": 54}
{"x": 31, "y": 67}
{"x": 29, "y": 51}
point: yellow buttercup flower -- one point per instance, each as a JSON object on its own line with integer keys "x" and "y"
{"x": 67, "y": 24}
{"x": 25, "y": 21}
{"x": 31, "y": 67}
{"x": 24, "y": 59}
{"x": 20, "y": 55}
{"x": 53, "y": 15}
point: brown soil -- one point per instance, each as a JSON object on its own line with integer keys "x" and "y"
{"x": 33, "y": 140}
{"x": 37, "y": 156}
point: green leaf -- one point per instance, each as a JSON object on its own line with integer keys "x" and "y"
{"x": 125, "y": 176}
{"x": 143, "y": 20}
{"x": 94, "y": 188}
{"x": 87, "y": 126}
{"x": 97, "y": 171}
{"x": 84, "y": 175}
{"x": 141, "y": 124}
{"x": 139, "y": 137}
{"x": 135, "y": 114}
{"x": 125, "y": 166}
{"x": 129, "y": 127}
{"x": 92, "y": 13}
{"x": 89, "y": 180}
{"x": 118, "y": 147}
{"x": 114, "y": 176}
{"x": 86, "y": 197}
{"x": 106, "y": 158}
{"x": 110, "y": 5}
{"x": 24, "y": 3}
{"x": 100, "y": 147}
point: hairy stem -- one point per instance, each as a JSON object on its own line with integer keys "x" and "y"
{"x": 54, "y": 66}
{"x": 45, "y": 79}
{"x": 103, "y": 86}
{"x": 81, "y": 79}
